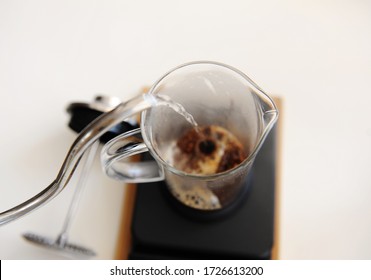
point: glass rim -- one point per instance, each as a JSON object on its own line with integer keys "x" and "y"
{"x": 244, "y": 164}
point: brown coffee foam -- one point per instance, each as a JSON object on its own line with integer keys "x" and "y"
{"x": 208, "y": 150}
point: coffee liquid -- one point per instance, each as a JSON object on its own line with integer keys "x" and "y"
{"x": 202, "y": 150}
{"x": 207, "y": 150}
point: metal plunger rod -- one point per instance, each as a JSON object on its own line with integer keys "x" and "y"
{"x": 63, "y": 236}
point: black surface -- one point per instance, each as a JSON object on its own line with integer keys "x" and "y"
{"x": 161, "y": 231}
{"x": 82, "y": 116}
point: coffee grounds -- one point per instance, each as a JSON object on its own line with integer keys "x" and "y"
{"x": 232, "y": 157}
{"x": 207, "y": 146}
{"x": 187, "y": 143}
{"x": 208, "y": 150}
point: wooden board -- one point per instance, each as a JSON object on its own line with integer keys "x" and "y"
{"x": 277, "y": 200}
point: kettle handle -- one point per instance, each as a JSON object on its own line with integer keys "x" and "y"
{"x": 84, "y": 140}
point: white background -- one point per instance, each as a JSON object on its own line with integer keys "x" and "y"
{"x": 316, "y": 55}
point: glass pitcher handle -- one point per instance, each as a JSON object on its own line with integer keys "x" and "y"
{"x": 118, "y": 162}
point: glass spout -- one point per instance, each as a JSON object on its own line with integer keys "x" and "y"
{"x": 266, "y": 115}
{"x": 270, "y": 113}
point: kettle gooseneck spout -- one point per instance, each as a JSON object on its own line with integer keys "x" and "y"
{"x": 84, "y": 140}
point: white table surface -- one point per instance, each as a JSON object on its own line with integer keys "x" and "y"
{"x": 316, "y": 55}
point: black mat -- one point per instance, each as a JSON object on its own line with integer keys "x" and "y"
{"x": 161, "y": 230}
